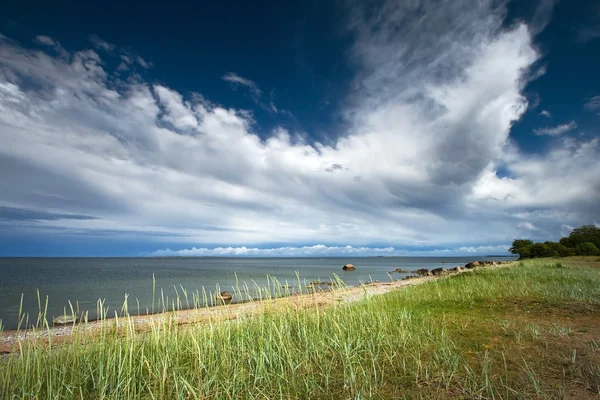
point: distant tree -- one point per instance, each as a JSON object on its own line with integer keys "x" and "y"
{"x": 564, "y": 251}
{"x": 521, "y": 247}
{"x": 584, "y": 234}
{"x": 583, "y": 241}
{"x": 565, "y": 242}
{"x": 540, "y": 250}
{"x": 587, "y": 249}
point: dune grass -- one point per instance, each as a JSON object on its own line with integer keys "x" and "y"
{"x": 526, "y": 331}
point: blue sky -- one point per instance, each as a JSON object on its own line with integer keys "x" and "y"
{"x": 296, "y": 128}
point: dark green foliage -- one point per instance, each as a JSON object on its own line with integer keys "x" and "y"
{"x": 540, "y": 250}
{"x": 583, "y": 241}
{"x": 587, "y": 249}
{"x": 521, "y": 247}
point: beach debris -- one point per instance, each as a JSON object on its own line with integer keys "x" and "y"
{"x": 349, "y": 267}
{"x": 224, "y": 298}
{"x": 408, "y": 277}
{"x": 64, "y": 320}
{"x": 439, "y": 271}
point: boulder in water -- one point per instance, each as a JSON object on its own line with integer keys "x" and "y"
{"x": 349, "y": 267}
{"x": 224, "y": 298}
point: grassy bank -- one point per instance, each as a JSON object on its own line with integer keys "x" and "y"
{"x": 528, "y": 331}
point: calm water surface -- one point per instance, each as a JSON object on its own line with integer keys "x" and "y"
{"x": 83, "y": 281}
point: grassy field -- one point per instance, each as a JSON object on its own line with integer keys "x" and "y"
{"x": 531, "y": 330}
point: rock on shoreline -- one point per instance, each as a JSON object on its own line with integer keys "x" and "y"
{"x": 349, "y": 267}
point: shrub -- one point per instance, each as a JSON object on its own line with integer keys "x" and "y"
{"x": 587, "y": 249}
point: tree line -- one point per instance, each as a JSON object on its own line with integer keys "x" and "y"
{"x": 583, "y": 241}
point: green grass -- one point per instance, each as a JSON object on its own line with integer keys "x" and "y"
{"x": 519, "y": 332}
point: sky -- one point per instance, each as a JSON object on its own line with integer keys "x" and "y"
{"x": 296, "y": 128}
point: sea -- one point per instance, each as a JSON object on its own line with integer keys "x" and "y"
{"x": 148, "y": 285}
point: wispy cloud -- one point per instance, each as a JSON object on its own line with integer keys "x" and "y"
{"x": 129, "y": 57}
{"x": 542, "y": 15}
{"x": 48, "y": 41}
{"x": 591, "y": 29}
{"x": 593, "y": 104}
{"x": 235, "y": 80}
{"x": 556, "y": 130}
{"x": 255, "y": 93}
{"x": 546, "y": 113}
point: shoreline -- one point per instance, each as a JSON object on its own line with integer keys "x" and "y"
{"x": 11, "y": 339}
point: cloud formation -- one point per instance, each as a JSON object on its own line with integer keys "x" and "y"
{"x": 433, "y": 101}
{"x": 321, "y": 250}
{"x": 556, "y": 130}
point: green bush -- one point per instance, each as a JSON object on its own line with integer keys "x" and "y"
{"x": 587, "y": 249}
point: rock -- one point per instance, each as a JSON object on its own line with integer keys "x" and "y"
{"x": 408, "y": 277}
{"x": 224, "y": 298}
{"x": 423, "y": 272}
{"x": 439, "y": 271}
{"x": 400, "y": 270}
{"x": 472, "y": 265}
{"x": 457, "y": 269}
{"x": 349, "y": 267}
{"x": 64, "y": 320}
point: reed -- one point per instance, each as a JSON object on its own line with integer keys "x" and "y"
{"x": 450, "y": 338}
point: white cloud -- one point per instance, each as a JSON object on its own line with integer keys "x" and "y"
{"x": 593, "y": 104}
{"x": 556, "y": 130}
{"x": 177, "y": 112}
{"x": 546, "y": 113}
{"x": 321, "y": 250}
{"x": 429, "y": 120}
